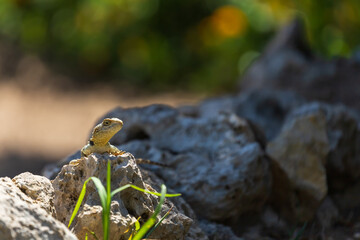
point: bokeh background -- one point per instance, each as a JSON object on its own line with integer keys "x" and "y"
{"x": 64, "y": 63}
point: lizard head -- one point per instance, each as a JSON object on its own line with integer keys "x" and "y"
{"x": 104, "y": 131}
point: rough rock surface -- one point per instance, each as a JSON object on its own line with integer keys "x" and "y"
{"x": 218, "y": 231}
{"x": 327, "y": 214}
{"x": 38, "y": 188}
{"x": 125, "y": 206}
{"x": 216, "y": 163}
{"x": 288, "y": 64}
{"x": 195, "y": 232}
{"x": 300, "y": 151}
{"x": 21, "y": 218}
{"x": 343, "y": 133}
{"x": 318, "y": 149}
{"x": 266, "y": 108}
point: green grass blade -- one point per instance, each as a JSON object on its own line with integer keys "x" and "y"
{"x": 155, "y": 193}
{"x": 145, "y": 228}
{"x": 102, "y": 195}
{"x": 106, "y": 211}
{"x": 120, "y": 189}
{"x": 158, "y": 223}
{"x": 137, "y": 224}
{"x": 104, "y": 198}
{"x": 142, "y": 190}
{"x": 78, "y": 203}
{"x": 101, "y": 190}
{"x": 134, "y": 228}
{"x": 92, "y": 233}
{"x": 162, "y": 199}
{"x": 152, "y": 220}
{"x": 108, "y": 183}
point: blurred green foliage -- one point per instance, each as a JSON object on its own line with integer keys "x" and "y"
{"x": 192, "y": 45}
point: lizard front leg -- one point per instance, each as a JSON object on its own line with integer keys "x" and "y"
{"x": 115, "y": 151}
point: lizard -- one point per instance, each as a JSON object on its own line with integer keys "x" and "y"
{"x": 100, "y": 137}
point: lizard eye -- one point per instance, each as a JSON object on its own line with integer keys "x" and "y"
{"x": 106, "y": 123}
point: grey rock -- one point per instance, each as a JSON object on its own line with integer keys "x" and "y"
{"x": 216, "y": 163}
{"x": 126, "y": 206}
{"x": 195, "y": 232}
{"x": 255, "y": 233}
{"x": 21, "y": 218}
{"x": 287, "y": 64}
{"x": 300, "y": 151}
{"x": 348, "y": 200}
{"x": 273, "y": 224}
{"x": 265, "y": 108}
{"x": 317, "y": 139}
{"x": 216, "y": 231}
{"x": 343, "y": 133}
{"x": 284, "y": 59}
{"x": 264, "y": 224}
{"x": 327, "y": 214}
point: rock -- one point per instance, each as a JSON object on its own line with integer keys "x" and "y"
{"x": 216, "y": 163}
{"x": 348, "y": 201}
{"x": 317, "y": 139}
{"x": 217, "y": 231}
{"x": 126, "y": 206}
{"x": 21, "y": 218}
{"x": 273, "y": 225}
{"x": 265, "y": 108}
{"x": 327, "y": 214}
{"x": 268, "y": 225}
{"x": 287, "y": 64}
{"x": 255, "y": 233}
{"x": 38, "y": 188}
{"x": 288, "y": 52}
{"x": 343, "y": 133}
{"x": 300, "y": 152}
{"x": 195, "y": 232}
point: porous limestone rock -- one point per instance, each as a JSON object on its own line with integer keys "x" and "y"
{"x": 216, "y": 163}
{"x": 299, "y": 153}
{"x": 21, "y": 218}
{"x": 195, "y": 232}
{"x": 126, "y": 206}
{"x": 38, "y": 188}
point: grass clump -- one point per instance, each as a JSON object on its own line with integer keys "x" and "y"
{"x": 105, "y": 198}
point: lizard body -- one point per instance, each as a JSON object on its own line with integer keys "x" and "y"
{"x": 99, "y": 141}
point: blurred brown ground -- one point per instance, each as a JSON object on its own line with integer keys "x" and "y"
{"x": 42, "y": 125}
